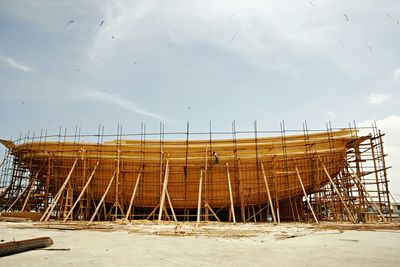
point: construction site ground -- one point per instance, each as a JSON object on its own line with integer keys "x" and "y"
{"x": 146, "y": 243}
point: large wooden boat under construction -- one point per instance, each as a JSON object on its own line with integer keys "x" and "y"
{"x": 80, "y": 180}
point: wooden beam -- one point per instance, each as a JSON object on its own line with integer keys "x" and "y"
{"x": 47, "y": 213}
{"x": 170, "y": 205}
{"x": 368, "y": 195}
{"x": 13, "y": 247}
{"x": 116, "y": 203}
{"x": 337, "y": 191}
{"x": 152, "y": 212}
{"x": 269, "y": 194}
{"x": 28, "y": 195}
{"x": 305, "y": 195}
{"x": 82, "y": 192}
{"x": 165, "y": 184}
{"x": 23, "y": 192}
{"x": 212, "y": 211}
{"x": 102, "y": 198}
{"x": 133, "y": 195}
{"x": 230, "y": 193}
{"x": 29, "y": 187}
{"x": 166, "y": 214}
{"x": 255, "y": 214}
{"x": 199, "y": 198}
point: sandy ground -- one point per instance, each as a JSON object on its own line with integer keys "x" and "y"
{"x": 209, "y": 245}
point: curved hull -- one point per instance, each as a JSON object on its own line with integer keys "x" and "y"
{"x": 227, "y": 167}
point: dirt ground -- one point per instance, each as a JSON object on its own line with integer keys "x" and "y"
{"x": 210, "y": 244}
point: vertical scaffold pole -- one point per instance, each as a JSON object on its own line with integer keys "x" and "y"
{"x": 162, "y": 201}
{"x": 230, "y": 193}
{"x": 269, "y": 194}
{"x": 199, "y": 198}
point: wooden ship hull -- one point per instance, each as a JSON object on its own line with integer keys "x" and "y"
{"x": 216, "y": 173}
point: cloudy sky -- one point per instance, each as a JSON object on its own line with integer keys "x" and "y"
{"x": 107, "y": 62}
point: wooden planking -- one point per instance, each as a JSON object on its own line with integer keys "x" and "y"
{"x": 269, "y": 152}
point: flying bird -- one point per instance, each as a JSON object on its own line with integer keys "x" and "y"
{"x": 135, "y": 62}
{"x": 69, "y": 23}
{"x": 387, "y": 14}
{"x": 311, "y": 3}
{"x": 101, "y": 23}
{"x": 370, "y": 49}
{"x": 112, "y": 37}
{"x": 347, "y": 18}
{"x": 234, "y": 36}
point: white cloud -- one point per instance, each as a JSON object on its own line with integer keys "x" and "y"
{"x": 378, "y": 99}
{"x": 125, "y": 103}
{"x": 17, "y": 65}
{"x": 391, "y": 127}
{"x": 262, "y": 29}
{"x": 331, "y": 114}
{"x": 396, "y": 74}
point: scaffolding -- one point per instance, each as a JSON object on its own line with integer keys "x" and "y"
{"x": 303, "y": 175}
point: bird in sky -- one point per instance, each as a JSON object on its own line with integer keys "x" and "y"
{"x": 69, "y": 23}
{"x": 311, "y": 3}
{"x": 234, "y": 36}
{"x": 387, "y": 14}
{"x": 101, "y": 23}
{"x": 347, "y": 18}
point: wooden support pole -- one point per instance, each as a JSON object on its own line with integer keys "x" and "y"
{"x": 199, "y": 198}
{"x": 28, "y": 196}
{"x": 205, "y": 182}
{"x": 255, "y": 214}
{"x": 368, "y": 195}
{"x": 29, "y": 187}
{"x": 133, "y": 195}
{"x": 47, "y": 213}
{"x": 230, "y": 193}
{"x": 82, "y": 192}
{"x": 305, "y": 195}
{"x": 16, "y": 200}
{"x": 212, "y": 211}
{"x": 382, "y": 154}
{"x": 152, "y": 212}
{"x": 46, "y": 200}
{"x": 117, "y": 204}
{"x": 166, "y": 214}
{"x": 165, "y": 184}
{"x": 170, "y": 205}
{"x": 102, "y": 198}
{"x": 269, "y": 194}
{"x": 337, "y": 191}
